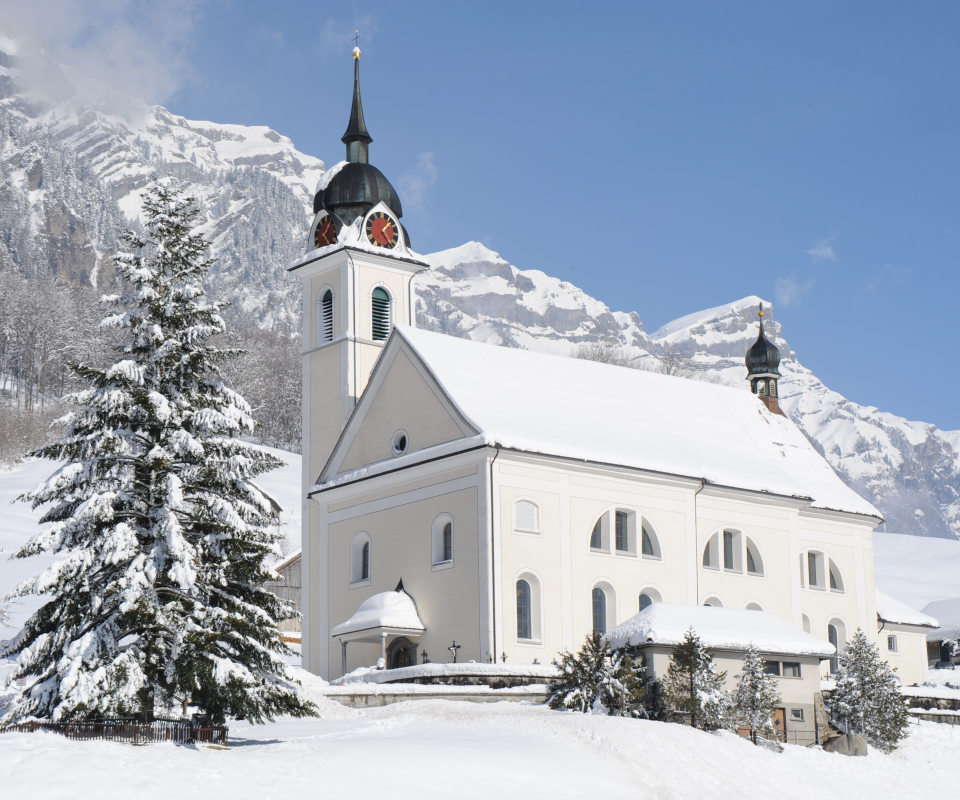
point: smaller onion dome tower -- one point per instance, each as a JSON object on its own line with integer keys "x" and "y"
{"x": 763, "y": 362}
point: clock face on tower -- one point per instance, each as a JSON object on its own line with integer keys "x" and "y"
{"x": 325, "y": 232}
{"x": 382, "y": 231}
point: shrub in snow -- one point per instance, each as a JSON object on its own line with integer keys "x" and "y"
{"x": 598, "y": 680}
{"x": 692, "y": 685}
{"x": 755, "y": 697}
{"x": 157, "y": 598}
{"x": 867, "y": 699}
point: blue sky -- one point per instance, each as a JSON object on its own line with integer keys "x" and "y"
{"x": 665, "y": 157}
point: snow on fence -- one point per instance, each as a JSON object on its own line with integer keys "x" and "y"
{"x": 121, "y": 730}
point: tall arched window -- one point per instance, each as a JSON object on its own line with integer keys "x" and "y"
{"x": 524, "y": 610}
{"x": 381, "y": 314}
{"x": 596, "y": 541}
{"x": 834, "y": 638}
{"x": 623, "y": 532}
{"x": 599, "y": 611}
{"x": 645, "y": 601}
{"x": 442, "y": 542}
{"x": 360, "y": 559}
{"x": 448, "y": 541}
{"x": 365, "y": 562}
{"x": 325, "y": 317}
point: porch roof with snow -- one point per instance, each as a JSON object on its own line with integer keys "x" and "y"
{"x": 666, "y": 624}
{"x": 599, "y": 413}
{"x": 390, "y": 613}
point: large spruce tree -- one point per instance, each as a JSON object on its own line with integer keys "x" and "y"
{"x": 597, "y": 680}
{"x": 156, "y": 599}
{"x": 755, "y": 697}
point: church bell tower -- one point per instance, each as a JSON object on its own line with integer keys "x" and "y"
{"x": 356, "y": 276}
{"x": 763, "y": 362}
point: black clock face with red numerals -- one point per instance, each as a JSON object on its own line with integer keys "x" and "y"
{"x": 325, "y": 232}
{"x": 382, "y": 231}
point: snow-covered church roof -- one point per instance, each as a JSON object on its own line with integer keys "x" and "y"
{"x": 387, "y": 611}
{"x": 889, "y": 609}
{"x": 595, "y": 412}
{"x": 718, "y": 629}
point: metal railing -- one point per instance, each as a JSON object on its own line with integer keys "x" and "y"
{"x": 125, "y": 730}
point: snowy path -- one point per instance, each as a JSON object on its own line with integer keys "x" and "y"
{"x": 437, "y": 749}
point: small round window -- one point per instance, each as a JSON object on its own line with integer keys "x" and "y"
{"x": 399, "y": 443}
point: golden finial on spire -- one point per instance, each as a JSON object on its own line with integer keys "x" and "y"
{"x": 356, "y": 50}
{"x": 761, "y": 309}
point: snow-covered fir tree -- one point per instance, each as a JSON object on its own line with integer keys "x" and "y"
{"x": 867, "y": 699}
{"x": 692, "y": 685}
{"x": 755, "y": 697}
{"x": 597, "y": 680}
{"x": 156, "y": 599}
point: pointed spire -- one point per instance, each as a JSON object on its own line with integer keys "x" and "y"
{"x": 357, "y": 137}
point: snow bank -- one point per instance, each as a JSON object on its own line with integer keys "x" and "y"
{"x": 468, "y": 669}
{"x": 549, "y": 404}
{"x": 718, "y": 628}
{"x": 890, "y": 609}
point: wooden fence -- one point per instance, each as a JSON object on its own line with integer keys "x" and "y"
{"x": 123, "y": 730}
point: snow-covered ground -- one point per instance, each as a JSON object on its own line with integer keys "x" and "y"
{"x": 431, "y": 749}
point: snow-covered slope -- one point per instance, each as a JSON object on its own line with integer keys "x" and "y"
{"x": 74, "y": 162}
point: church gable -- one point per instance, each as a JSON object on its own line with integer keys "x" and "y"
{"x": 404, "y": 412}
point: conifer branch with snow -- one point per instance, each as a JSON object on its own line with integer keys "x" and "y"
{"x": 693, "y": 686}
{"x": 597, "y": 680}
{"x": 755, "y": 697}
{"x": 163, "y": 535}
{"x": 867, "y": 699}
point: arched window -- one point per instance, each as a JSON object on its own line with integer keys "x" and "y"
{"x": 819, "y": 571}
{"x": 524, "y": 610}
{"x": 773, "y": 388}
{"x": 596, "y": 540}
{"x": 442, "y": 541}
{"x": 649, "y": 596}
{"x": 529, "y": 608}
{"x": 836, "y": 579}
{"x": 807, "y": 627}
{"x": 623, "y": 532}
{"x": 360, "y": 559}
{"x": 753, "y": 607}
{"x": 754, "y": 561}
{"x": 525, "y": 517}
{"x": 380, "y": 301}
{"x": 834, "y": 638}
{"x": 713, "y": 602}
{"x": 761, "y": 388}
{"x": 599, "y": 610}
{"x": 711, "y": 555}
{"x": 325, "y": 317}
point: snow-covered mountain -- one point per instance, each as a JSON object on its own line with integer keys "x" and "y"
{"x": 909, "y": 470}
{"x": 75, "y": 160}
{"x": 73, "y": 164}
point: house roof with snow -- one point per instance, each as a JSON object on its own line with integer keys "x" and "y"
{"x": 599, "y": 413}
{"x": 889, "y": 609}
{"x": 394, "y": 613}
{"x": 718, "y": 628}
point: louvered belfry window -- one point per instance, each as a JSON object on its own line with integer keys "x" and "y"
{"x": 326, "y": 316}
{"x": 381, "y": 314}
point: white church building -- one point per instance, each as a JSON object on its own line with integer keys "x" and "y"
{"x": 524, "y": 500}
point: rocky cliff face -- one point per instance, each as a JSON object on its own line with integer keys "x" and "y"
{"x": 72, "y": 170}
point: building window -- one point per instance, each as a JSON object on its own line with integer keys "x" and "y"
{"x": 596, "y": 540}
{"x": 399, "y": 442}
{"x": 599, "y": 611}
{"x": 523, "y": 610}
{"x": 791, "y": 669}
{"x": 754, "y": 561}
{"x": 442, "y": 541}
{"x": 836, "y": 579}
{"x": 773, "y": 388}
{"x": 647, "y": 547}
{"x": 360, "y": 559}
{"x": 325, "y": 317}
{"x": 649, "y": 596}
{"x": 761, "y": 388}
{"x": 525, "y": 516}
{"x": 837, "y": 636}
{"x": 807, "y": 627}
{"x": 814, "y": 570}
{"x": 771, "y": 668}
{"x": 623, "y": 532}
{"x": 713, "y": 602}
{"x": 753, "y": 607}
{"x": 796, "y": 714}
{"x": 732, "y": 557}
{"x": 820, "y": 572}
{"x": 380, "y": 306}
{"x": 711, "y": 557}
{"x": 645, "y": 601}
{"x": 892, "y": 644}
